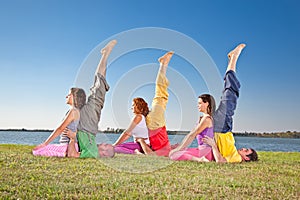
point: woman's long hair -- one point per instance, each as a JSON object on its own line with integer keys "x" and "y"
{"x": 211, "y": 103}
{"x": 79, "y": 97}
{"x": 141, "y": 105}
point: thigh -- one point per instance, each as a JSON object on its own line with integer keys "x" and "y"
{"x": 90, "y": 114}
{"x": 156, "y": 117}
{"x": 52, "y": 150}
{"x": 186, "y": 154}
{"x": 127, "y": 148}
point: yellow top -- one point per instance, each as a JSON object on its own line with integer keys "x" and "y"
{"x": 225, "y": 143}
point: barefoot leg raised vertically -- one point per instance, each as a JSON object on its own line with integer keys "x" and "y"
{"x": 233, "y": 57}
{"x": 105, "y": 54}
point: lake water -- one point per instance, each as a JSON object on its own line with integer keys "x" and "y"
{"x": 257, "y": 143}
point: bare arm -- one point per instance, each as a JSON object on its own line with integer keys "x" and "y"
{"x": 147, "y": 150}
{"x": 188, "y": 139}
{"x": 127, "y": 133}
{"x": 123, "y": 137}
{"x": 67, "y": 120}
{"x": 216, "y": 152}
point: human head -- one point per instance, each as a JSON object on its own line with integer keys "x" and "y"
{"x": 211, "y": 104}
{"x": 248, "y": 154}
{"x": 140, "y": 106}
{"x": 79, "y": 97}
{"x": 106, "y": 150}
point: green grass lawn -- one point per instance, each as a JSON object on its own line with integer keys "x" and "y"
{"x": 23, "y": 176}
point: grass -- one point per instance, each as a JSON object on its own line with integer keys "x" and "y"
{"x": 23, "y": 176}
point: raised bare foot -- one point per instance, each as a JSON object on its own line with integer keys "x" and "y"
{"x": 165, "y": 59}
{"x": 107, "y": 49}
{"x": 237, "y": 51}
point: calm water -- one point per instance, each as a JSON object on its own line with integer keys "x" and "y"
{"x": 258, "y": 143}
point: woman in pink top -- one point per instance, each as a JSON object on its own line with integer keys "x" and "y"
{"x": 206, "y": 105}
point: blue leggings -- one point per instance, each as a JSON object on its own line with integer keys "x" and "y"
{"x": 223, "y": 116}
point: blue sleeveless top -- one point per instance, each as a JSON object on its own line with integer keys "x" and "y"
{"x": 73, "y": 127}
{"x": 208, "y": 131}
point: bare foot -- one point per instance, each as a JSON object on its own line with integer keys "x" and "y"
{"x": 236, "y": 52}
{"x": 73, "y": 154}
{"x": 136, "y": 151}
{"x": 107, "y": 49}
{"x": 202, "y": 159}
{"x": 165, "y": 59}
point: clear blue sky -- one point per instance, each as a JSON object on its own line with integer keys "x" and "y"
{"x": 44, "y": 43}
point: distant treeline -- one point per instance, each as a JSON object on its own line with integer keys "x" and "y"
{"x": 118, "y": 131}
{"x": 287, "y": 134}
{"x": 29, "y": 130}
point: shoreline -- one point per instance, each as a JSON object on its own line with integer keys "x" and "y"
{"x": 287, "y": 134}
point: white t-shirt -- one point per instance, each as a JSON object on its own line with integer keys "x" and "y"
{"x": 141, "y": 130}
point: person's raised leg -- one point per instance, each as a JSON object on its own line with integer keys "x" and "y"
{"x": 155, "y": 118}
{"x": 90, "y": 114}
{"x": 164, "y": 62}
{"x": 233, "y": 57}
{"x": 90, "y": 117}
{"x": 223, "y": 116}
{"x": 101, "y": 69}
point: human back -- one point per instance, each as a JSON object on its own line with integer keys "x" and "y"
{"x": 141, "y": 130}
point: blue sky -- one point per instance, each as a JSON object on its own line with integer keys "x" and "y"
{"x": 45, "y": 43}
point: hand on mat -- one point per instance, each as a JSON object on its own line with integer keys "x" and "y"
{"x": 39, "y": 146}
